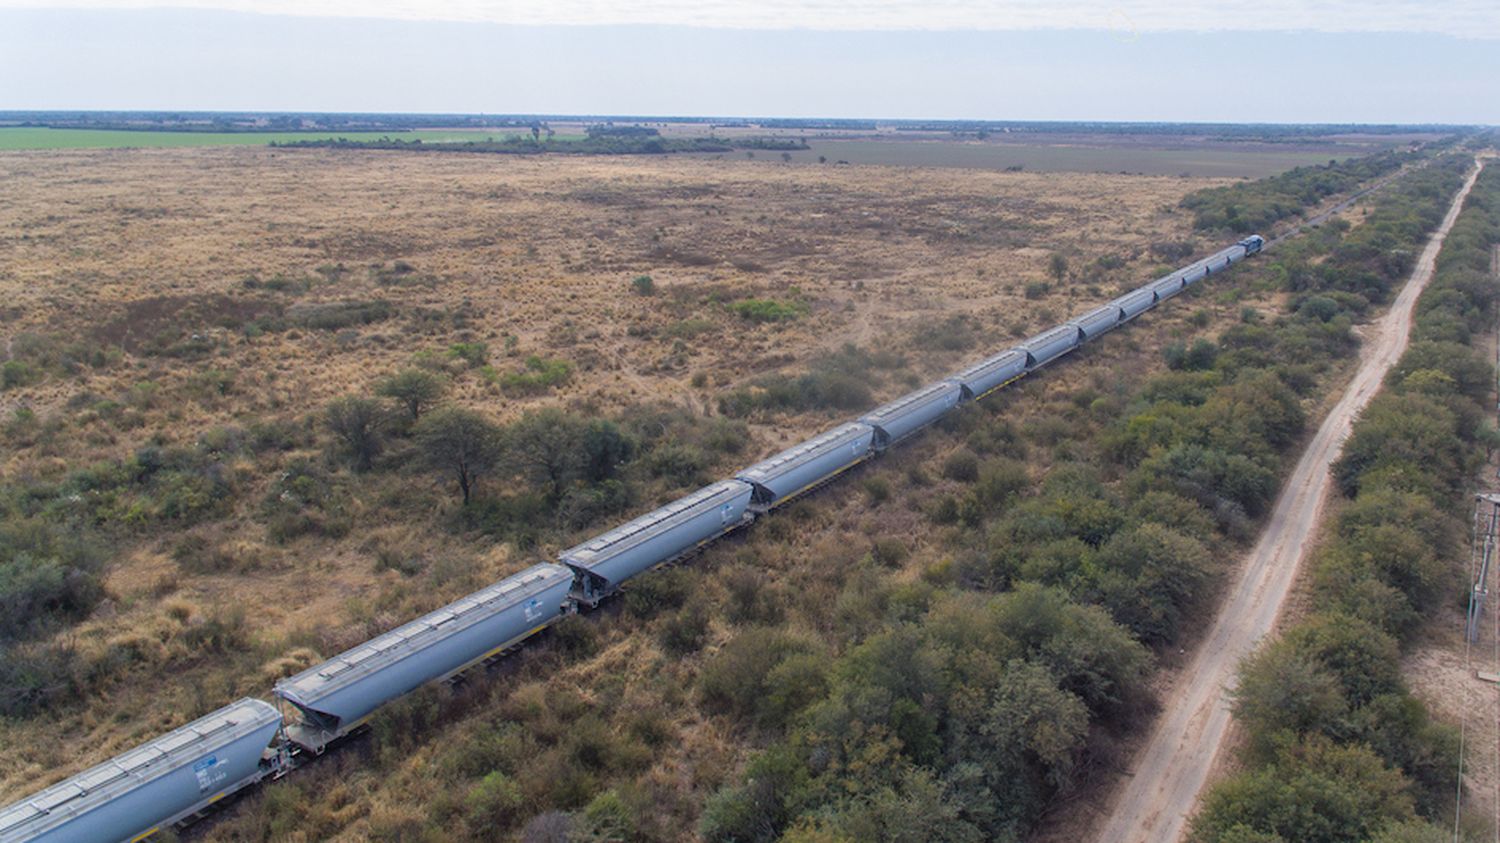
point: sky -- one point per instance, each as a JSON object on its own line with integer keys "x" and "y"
{"x": 1375, "y": 61}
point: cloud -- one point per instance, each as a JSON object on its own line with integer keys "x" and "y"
{"x": 1459, "y": 18}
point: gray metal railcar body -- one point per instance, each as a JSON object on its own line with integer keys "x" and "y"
{"x": 989, "y": 375}
{"x": 1167, "y": 286}
{"x": 607, "y": 560}
{"x": 335, "y": 696}
{"x": 1050, "y": 344}
{"x": 1098, "y": 320}
{"x": 1195, "y": 273}
{"x": 153, "y": 785}
{"x": 912, "y": 412}
{"x": 791, "y": 472}
{"x": 1136, "y": 302}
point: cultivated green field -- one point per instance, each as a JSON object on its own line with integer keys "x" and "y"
{"x": 42, "y": 138}
{"x": 1217, "y": 161}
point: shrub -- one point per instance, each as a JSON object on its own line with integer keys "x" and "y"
{"x": 47, "y": 575}
{"x": 643, "y": 285}
{"x": 415, "y": 389}
{"x": 769, "y": 310}
{"x": 961, "y": 466}
{"x": 684, "y": 631}
{"x": 17, "y": 373}
{"x": 539, "y": 375}
{"x": 337, "y": 315}
{"x": 358, "y": 423}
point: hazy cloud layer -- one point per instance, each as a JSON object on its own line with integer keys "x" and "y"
{"x": 175, "y": 59}
{"x": 1459, "y": 18}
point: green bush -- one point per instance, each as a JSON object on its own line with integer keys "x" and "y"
{"x": 337, "y": 315}
{"x": 540, "y": 375}
{"x": 769, "y": 310}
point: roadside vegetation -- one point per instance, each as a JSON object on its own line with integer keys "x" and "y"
{"x": 1337, "y": 748}
{"x": 1253, "y": 207}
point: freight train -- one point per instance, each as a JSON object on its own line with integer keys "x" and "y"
{"x": 182, "y": 773}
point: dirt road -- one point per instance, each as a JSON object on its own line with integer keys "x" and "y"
{"x": 1154, "y": 805}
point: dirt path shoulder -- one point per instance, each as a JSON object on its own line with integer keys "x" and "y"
{"x": 1155, "y": 803}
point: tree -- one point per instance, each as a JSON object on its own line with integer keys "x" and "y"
{"x": 416, "y": 389}
{"x": 357, "y": 422}
{"x": 552, "y": 448}
{"x": 461, "y": 442}
{"x": 1057, "y": 266}
{"x": 1317, "y": 792}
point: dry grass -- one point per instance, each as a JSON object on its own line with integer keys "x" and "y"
{"x": 139, "y": 248}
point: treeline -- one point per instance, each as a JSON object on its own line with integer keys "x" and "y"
{"x": 611, "y": 142}
{"x": 1252, "y": 207}
{"x": 1338, "y": 749}
{"x": 966, "y": 702}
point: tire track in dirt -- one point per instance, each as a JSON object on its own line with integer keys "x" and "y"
{"x": 1154, "y": 804}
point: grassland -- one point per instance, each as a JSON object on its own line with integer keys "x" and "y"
{"x": 18, "y": 138}
{"x": 1212, "y": 161}
{"x": 216, "y": 300}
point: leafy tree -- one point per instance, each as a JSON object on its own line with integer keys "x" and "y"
{"x": 459, "y": 442}
{"x": 1057, "y": 266}
{"x": 1316, "y": 792}
{"x": 774, "y": 790}
{"x": 1146, "y": 576}
{"x": 358, "y": 423}
{"x": 1089, "y": 653}
{"x": 1283, "y": 693}
{"x": 415, "y": 389}
{"x": 554, "y": 449}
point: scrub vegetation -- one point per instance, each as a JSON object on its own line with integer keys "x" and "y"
{"x": 226, "y": 482}
{"x": 1252, "y": 207}
{"x": 234, "y": 437}
{"x": 1337, "y": 747}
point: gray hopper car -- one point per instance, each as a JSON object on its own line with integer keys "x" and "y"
{"x": 1098, "y": 320}
{"x": 153, "y": 785}
{"x": 912, "y": 412}
{"x": 986, "y": 376}
{"x": 793, "y": 471}
{"x": 607, "y": 560}
{"x": 337, "y": 695}
{"x": 1136, "y": 302}
{"x": 1166, "y": 286}
{"x": 1049, "y": 345}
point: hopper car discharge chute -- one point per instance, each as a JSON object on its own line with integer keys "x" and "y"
{"x": 912, "y": 412}
{"x": 988, "y": 375}
{"x": 788, "y": 474}
{"x": 336, "y": 696}
{"x": 604, "y": 562}
{"x": 1050, "y": 345}
{"x": 1098, "y": 320}
{"x": 156, "y": 784}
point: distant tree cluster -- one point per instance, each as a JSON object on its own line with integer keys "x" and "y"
{"x": 1254, "y": 206}
{"x": 614, "y": 141}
